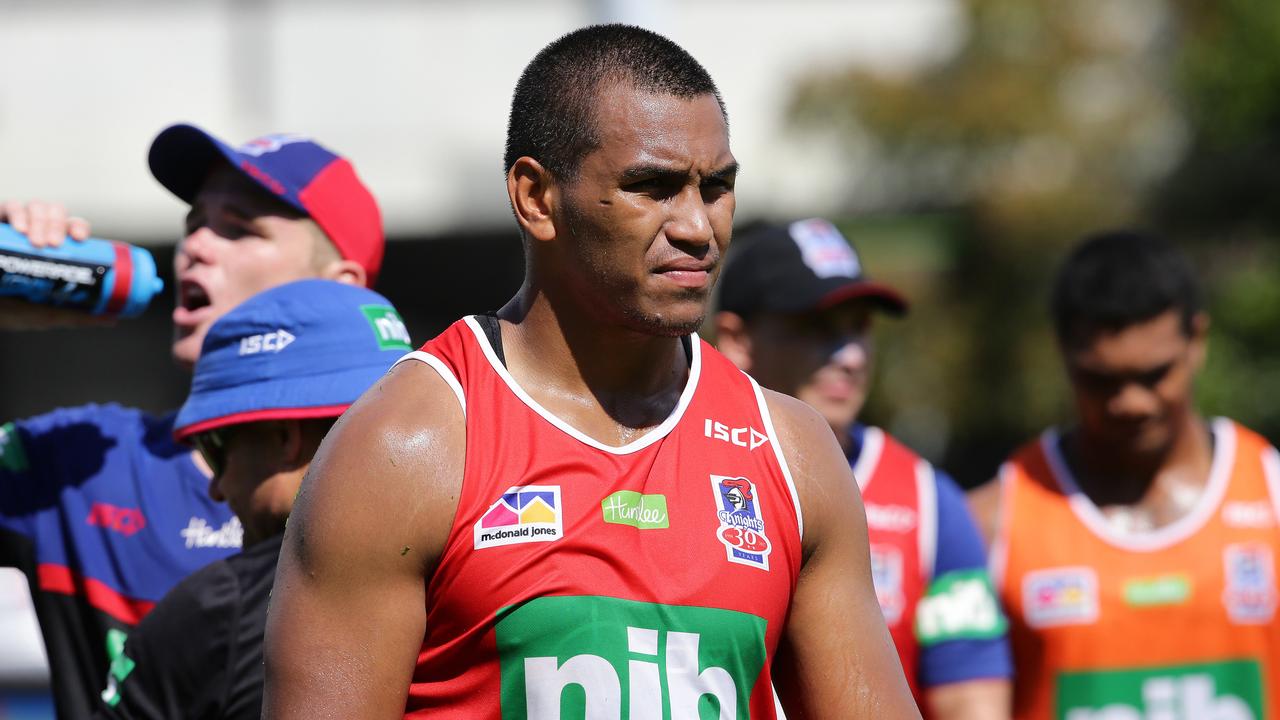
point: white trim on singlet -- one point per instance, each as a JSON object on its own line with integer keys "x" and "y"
{"x": 998, "y": 554}
{"x": 927, "y": 517}
{"x": 442, "y": 369}
{"x": 1271, "y": 471}
{"x": 868, "y": 456}
{"x": 649, "y": 438}
{"x": 1224, "y": 453}
{"x": 777, "y": 452}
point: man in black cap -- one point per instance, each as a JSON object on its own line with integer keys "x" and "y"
{"x": 795, "y": 312}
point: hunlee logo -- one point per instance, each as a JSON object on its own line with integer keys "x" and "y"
{"x": 1210, "y": 691}
{"x": 526, "y": 513}
{"x": 1172, "y": 589}
{"x": 643, "y": 512}
{"x": 272, "y": 342}
{"x": 199, "y": 534}
{"x": 608, "y": 659}
{"x": 747, "y": 437}
{"x": 388, "y": 327}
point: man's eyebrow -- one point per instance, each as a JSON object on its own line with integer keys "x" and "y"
{"x": 646, "y": 172}
{"x": 725, "y": 172}
{"x": 662, "y": 172}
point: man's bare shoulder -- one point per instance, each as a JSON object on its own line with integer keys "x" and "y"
{"x": 411, "y": 403}
{"x": 795, "y": 421}
{"x": 984, "y": 504}
{"x": 818, "y": 466}
{"x": 393, "y": 461}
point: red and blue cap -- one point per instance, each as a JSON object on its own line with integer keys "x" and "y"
{"x": 305, "y": 349}
{"x": 294, "y": 168}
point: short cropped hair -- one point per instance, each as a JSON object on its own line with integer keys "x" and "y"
{"x": 1120, "y": 278}
{"x": 553, "y": 111}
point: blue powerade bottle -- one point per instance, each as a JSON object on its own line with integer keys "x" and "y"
{"x": 102, "y": 277}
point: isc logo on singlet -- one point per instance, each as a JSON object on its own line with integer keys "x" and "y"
{"x": 1210, "y": 691}
{"x": 604, "y": 658}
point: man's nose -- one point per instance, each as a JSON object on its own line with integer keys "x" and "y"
{"x": 1133, "y": 401}
{"x": 850, "y": 353}
{"x": 689, "y": 221}
{"x": 198, "y": 245}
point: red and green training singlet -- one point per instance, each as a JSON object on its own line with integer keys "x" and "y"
{"x": 647, "y": 581}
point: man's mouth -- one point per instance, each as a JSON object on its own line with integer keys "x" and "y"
{"x": 692, "y": 273}
{"x": 192, "y": 303}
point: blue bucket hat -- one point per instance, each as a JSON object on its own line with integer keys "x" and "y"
{"x": 306, "y": 349}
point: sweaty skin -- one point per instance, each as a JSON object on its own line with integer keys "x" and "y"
{"x": 621, "y": 260}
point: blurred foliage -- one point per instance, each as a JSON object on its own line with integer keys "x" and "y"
{"x": 1052, "y": 120}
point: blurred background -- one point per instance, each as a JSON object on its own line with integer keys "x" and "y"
{"x": 962, "y": 145}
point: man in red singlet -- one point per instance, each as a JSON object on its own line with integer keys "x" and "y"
{"x": 527, "y": 520}
{"x": 796, "y": 309}
{"x": 1136, "y": 550}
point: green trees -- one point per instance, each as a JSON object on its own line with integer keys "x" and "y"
{"x": 967, "y": 181}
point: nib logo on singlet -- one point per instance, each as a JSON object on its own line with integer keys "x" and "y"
{"x": 608, "y": 659}
{"x": 1229, "y": 690}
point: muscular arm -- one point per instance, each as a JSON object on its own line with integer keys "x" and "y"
{"x": 346, "y": 618}
{"x": 964, "y": 666}
{"x": 836, "y": 659}
{"x": 972, "y": 700}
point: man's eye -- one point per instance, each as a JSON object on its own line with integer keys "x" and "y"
{"x": 1153, "y": 378}
{"x": 656, "y": 188}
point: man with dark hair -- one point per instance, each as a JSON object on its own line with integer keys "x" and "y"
{"x": 1136, "y": 551}
{"x": 256, "y": 419}
{"x": 796, "y": 309}
{"x": 99, "y": 506}
{"x": 531, "y": 521}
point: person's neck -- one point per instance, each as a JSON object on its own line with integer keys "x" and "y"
{"x": 1110, "y": 478}
{"x": 568, "y": 357}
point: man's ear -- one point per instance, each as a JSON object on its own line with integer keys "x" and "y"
{"x": 1199, "y": 340}
{"x": 732, "y": 339}
{"x": 289, "y": 442}
{"x": 345, "y": 271}
{"x": 534, "y": 195}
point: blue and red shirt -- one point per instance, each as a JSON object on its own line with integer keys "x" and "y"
{"x": 929, "y": 567}
{"x": 104, "y": 513}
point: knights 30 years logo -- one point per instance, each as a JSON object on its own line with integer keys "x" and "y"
{"x": 1250, "y": 593}
{"x": 741, "y": 516}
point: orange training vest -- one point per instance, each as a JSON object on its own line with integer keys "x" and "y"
{"x": 1178, "y": 623}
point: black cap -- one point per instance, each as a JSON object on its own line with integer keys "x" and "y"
{"x": 806, "y": 265}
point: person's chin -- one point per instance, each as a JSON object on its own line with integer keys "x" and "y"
{"x": 186, "y": 348}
